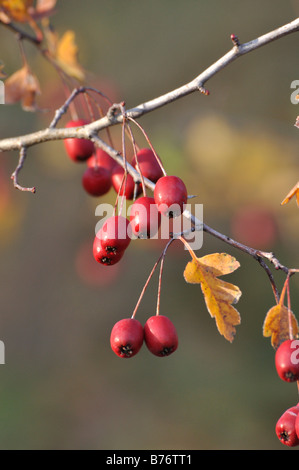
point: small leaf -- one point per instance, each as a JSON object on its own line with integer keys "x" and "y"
{"x": 294, "y": 192}
{"x": 219, "y": 295}
{"x": 67, "y": 56}
{"x": 276, "y": 325}
{"x": 22, "y": 86}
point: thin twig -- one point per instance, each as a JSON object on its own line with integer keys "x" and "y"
{"x": 137, "y": 160}
{"x": 160, "y": 275}
{"x": 146, "y": 284}
{"x": 15, "y": 174}
{"x": 291, "y": 335}
{"x": 63, "y": 109}
{"x": 150, "y": 144}
{"x": 258, "y": 255}
{"x": 20, "y": 33}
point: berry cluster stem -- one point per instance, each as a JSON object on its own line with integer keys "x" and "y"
{"x": 161, "y": 257}
{"x": 136, "y": 159}
{"x": 149, "y": 143}
{"x": 286, "y": 290}
{"x": 160, "y": 276}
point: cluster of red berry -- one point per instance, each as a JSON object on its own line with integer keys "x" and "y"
{"x": 159, "y": 334}
{"x": 113, "y": 238}
{"x": 287, "y": 366}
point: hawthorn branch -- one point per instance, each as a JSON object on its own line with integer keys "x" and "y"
{"x": 258, "y": 255}
{"x": 20, "y": 33}
{"x": 197, "y": 84}
{"x": 114, "y": 117}
{"x": 15, "y": 174}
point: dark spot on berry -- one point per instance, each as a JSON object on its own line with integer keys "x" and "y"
{"x": 166, "y": 351}
{"x": 111, "y": 249}
{"x": 290, "y": 377}
{"x": 284, "y": 436}
{"x": 126, "y": 350}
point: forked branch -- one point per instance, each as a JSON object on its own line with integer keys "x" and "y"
{"x": 114, "y": 117}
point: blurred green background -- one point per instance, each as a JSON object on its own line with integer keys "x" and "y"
{"x": 237, "y": 149}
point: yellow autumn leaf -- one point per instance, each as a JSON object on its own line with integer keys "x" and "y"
{"x": 276, "y": 325}
{"x": 17, "y": 10}
{"x": 67, "y": 56}
{"x": 219, "y": 295}
{"x": 293, "y": 192}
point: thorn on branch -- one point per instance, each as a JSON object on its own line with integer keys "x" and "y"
{"x": 235, "y": 40}
{"x": 15, "y": 174}
{"x": 204, "y": 90}
{"x": 114, "y": 109}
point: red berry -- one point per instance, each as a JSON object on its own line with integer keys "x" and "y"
{"x": 115, "y": 234}
{"x": 126, "y": 337}
{"x": 285, "y": 427}
{"x": 170, "y": 195}
{"x": 160, "y": 335}
{"x": 144, "y": 217}
{"x": 287, "y": 360}
{"x": 148, "y": 164}
{"x": 102, "y": 256}
{"x": 79, "y": 150}
{"x": 128, "y": 186}
{"x": 96, "y": 181}
{"x": 297, "y": 423}
{"x": 102, "y": 159}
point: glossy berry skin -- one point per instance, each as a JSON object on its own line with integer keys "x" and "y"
{"x": 297, "y": 423}
{"x": 285, "y": 427}
{"x": 160, "y": 335}
{"x": 128, "y": 187}
{"x": 79, "y": 150}
{"x": 145, "y": 218}
{"x": 102, "y": 159}
{"x": 96, "y": 181}
{"x": 170, "y": 195}
{"x": 126, "y": 337}
{"x": 115, "y": 234}
{"x": 287, "y": 360}
{"x": 148, "y": 164}
{"x": 102, "y": 256}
